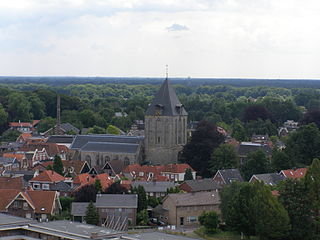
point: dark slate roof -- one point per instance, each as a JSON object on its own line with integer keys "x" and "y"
{"x": 271, "y": 179}
{"x": 117, "y": 200}
{"x": 81, "y": 140}
{"x": 79, "y": 208}
{"x": 194, "y": 199}
{"x": 27, "y": 175}
{"x": 110, "y": 147}
{"x": 167, "y": 99}
{"x": 158, "y": 187}
{"x": 231, "y": 175}
{"x": 116, "y": 165}
{"x": 60, "y": 187}
{"x": 68, "y": 139}
{"x": 206, "y": 184}
{"x": 5, "y": 160}
{"x": 247, "y": 147}
{"x": 66, "y": 127}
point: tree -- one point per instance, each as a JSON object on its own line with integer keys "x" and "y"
{"x": 255, "y": 112}
{"x": 312, "y": 116}
{"x": 10, "y": 135}
{"x": 256, "y": 163}
{"x": 302, "y": 146}
{"x": 210, "y": 221}
{"x": 113, "y": 130}
{"x": 49, "y": 167}
{"x": 254, "y": 211}
{"x": 116, "y": 188}
{"x": 19, "y": 107}
{"x": 92, "y": 215}
{"x": 98, "y": 186}
{"x": 66, "y": 203}
{"x": 142, "y": 197}
{"x": 3, "y": 116}
{"x": 238, "y": 130}
{"x": 294, "y": 197}
{"x": 57, "y": 165}
{"x": 197, "y": 152}
{"x": 45, "y": 124}
{"x": 261, "y": 127}
{"x": 280, "y": 160}
{"x": 312, "y": 181}
{"x": 142, "y": 217}
{"x": 96, "y": 130}
{"x": 188, "y": 174}
{"x": 175, "y": 189}
{"x": 37, "y": 106}
{"x": 223, "y": 157}
{"x": 86, "y": 193}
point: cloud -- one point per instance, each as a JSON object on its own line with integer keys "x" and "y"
{"x": 177, "y": 27}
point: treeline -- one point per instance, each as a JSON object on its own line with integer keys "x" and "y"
{"x": 240, "y": 110}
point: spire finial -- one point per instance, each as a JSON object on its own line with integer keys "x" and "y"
{"x": 167, "y": 72}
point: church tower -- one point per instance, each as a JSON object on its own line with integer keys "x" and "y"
{"x": 165, "y": 127}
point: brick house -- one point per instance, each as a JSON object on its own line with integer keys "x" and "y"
{"x": 183, "y": 209}
{"x": 39, "y": 205}
{"x": 200, "y": 185}
{"x": 20, "y": 156}
{"x": 45, "y": 179}
{"x": 116, "y": 211}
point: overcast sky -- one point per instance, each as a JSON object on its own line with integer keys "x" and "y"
{"x": 196, "y": 38}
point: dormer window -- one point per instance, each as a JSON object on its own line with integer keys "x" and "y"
{"x": 159, "y": 109}
{"x": 179, "y": 108}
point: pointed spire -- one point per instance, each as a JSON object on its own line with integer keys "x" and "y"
{"x": 166, "y": 102}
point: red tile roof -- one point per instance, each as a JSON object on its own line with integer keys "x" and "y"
{"x": 136, "y": 171}
{"x": 35, "y": 122}
{"x": 41, "y": 201}
{"x": 52, "y": 149}
{"x": 86, "y": 178}
{"x": 297, "y": 173}
{"x": 20, "y": 124}
{"x": 25, "y": 136}
{"x": 48, "y": 176}
{"x": 12, "y": 183}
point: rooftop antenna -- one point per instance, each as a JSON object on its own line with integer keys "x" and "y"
{"x": 167, "y": 72}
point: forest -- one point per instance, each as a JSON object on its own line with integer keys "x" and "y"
{"x": 242, "y": 110}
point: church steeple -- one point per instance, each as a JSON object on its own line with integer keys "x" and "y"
{"x": 166, "y": 102}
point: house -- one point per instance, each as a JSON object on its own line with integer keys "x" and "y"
{"x": 63, "y": 188}
{"x": 115, "y": 210}
{"x": 153, "y": 188}
{"x": 26, "y": 174}
{"x": 51, "y": 150}
{"x": 260, "y": 138}
{"x": 21, "y": 126}
{"x": 10, "y": 147}
{"x": 20, "y": 156}
{"x": 39, "y": 205}
{"x": 184, "y": 209}
{"x": 88, "y": 179}
{"x": 70, "y": 168}
{"x": 294, "y": 173}
{"x": 271, "y": 179}
{"x": 200, "y": 185}
{"x": 23, "y": 137}
{"x": 287, "y": 127}
{"x": 9, "y": 164}
{"x": 113, "y": 167}
{"x": 227, "y": 176}
{"x": 169, "y": 172}
{"x": 245, "y": 148}
{"x": 17, "y": 183}
{"x": 65, "y": 129}
{"x": 45, "y": 179}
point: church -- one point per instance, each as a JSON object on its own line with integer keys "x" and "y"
{"x": 165, "y": 135}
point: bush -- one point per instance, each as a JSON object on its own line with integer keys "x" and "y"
{"x": 210, "y": 221}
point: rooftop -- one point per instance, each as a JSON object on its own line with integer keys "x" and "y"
{"x": 196, "y": 198}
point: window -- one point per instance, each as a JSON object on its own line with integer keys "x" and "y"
{"x": 192, "y": 219}
{"x": 25, "y": 206}
{"x": 141, "y": 174}
{"x": 16, "y": 204}
{"x": 36, "y": 186}
{"x": 45, "y": 186}
{"x": 158, "y": 140}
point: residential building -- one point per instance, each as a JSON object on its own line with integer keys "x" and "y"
{"x": 64, "y": 129}
{"x": 271, "y": 179}
{"x": 116, "y": 211}
{"x": 20, "y": 156}
{"x": 247, "y": 147}
{"x": 39, "y": 205}
{"x": 88, "y": 179}
{"x": 184, "y": 209}
{"x": 45, "y": 179}
{"x": 227, "y": 176}
{"x": 17, "y": 183}
{"x": 9, "y": 164}
{"x": 200, "y": 185}
{"x": 294, "y": 173}
{"x": 154, "y": 188}
{"x": 165, "y": 127}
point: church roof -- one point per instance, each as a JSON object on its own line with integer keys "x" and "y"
{"x": 167, "y": 101}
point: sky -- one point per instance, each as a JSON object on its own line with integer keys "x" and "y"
{"x": 138, "y": 38}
